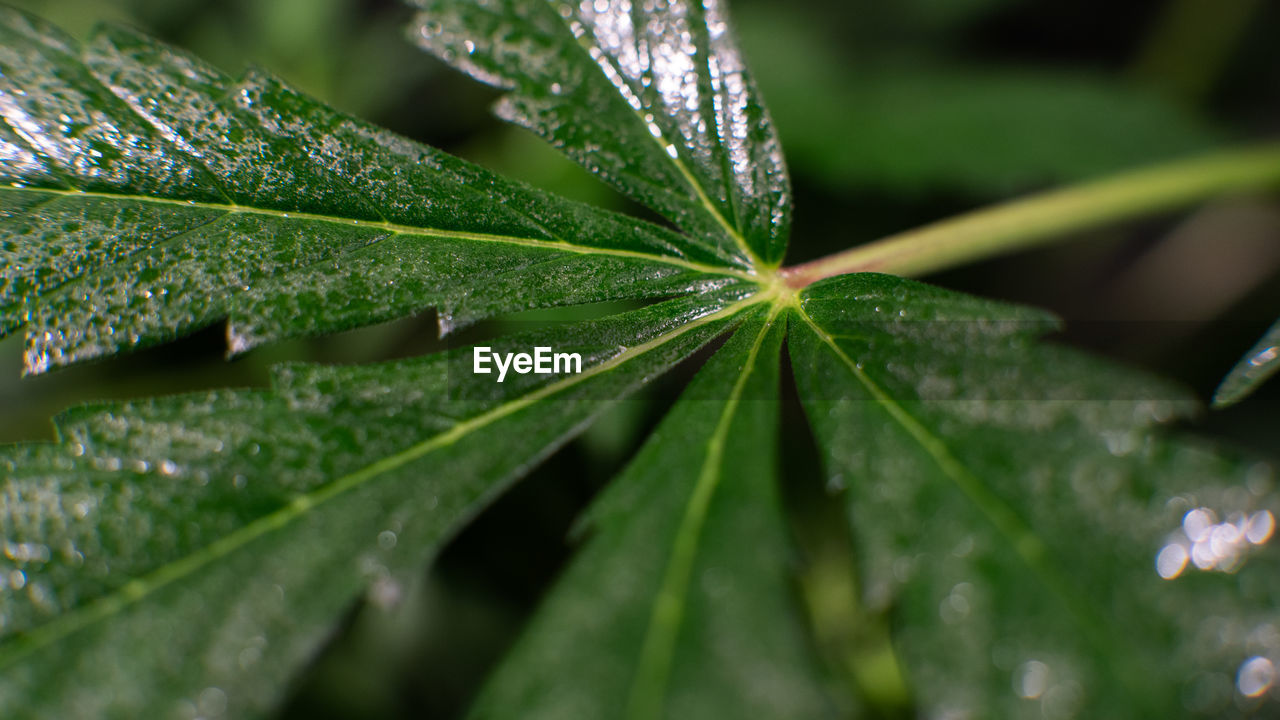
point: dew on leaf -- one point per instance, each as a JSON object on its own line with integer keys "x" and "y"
{"x": 956, "y": 606}
{"x": 248, "y": 657}
{"x": 385, "y": 593}
{"x": 1265, "y": 356}
{"x": 1212, "y": 545}
{"x": 212, "y": 702}
{"x": 1255, "y": 677}
{"x": 1062, "y": 701}
{"x": 1031, "y": 679}
{"x": 1171, "y": 560}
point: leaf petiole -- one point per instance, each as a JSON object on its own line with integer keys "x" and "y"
{"x": 1047, "y": 216}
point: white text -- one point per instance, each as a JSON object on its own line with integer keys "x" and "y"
{"x": 542, "y": 362}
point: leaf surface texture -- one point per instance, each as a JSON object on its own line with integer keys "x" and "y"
{"x": 654, "y": 97}
{"x": 1261, "y": 362}
{"x": 239, "y": 525}
{"x": 151, "y": 195}
{"x": 1037, "y": 546}
{"x": 685, "y": 550}
{"x": 1041, "y": 548}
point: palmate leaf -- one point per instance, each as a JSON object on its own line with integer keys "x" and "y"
{"x": 173, "y": 548}
{"x": 146, "y": 195}
{"x": 1042, "y": 550}
{"x": 152, "y": 195}
{"x": 687, "y": 552}
{"x": 654, "y": 97}
{"x": 1038, "y": 548}
{"x": 946, "y": 124}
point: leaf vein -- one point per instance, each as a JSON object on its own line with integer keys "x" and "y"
{"x": 397, "y": 229}
{"x": 1024, "y": 541}
{"x": 663, "y": 143}
{"x": 135, "y": 590}
{"x": 653, "y": 671}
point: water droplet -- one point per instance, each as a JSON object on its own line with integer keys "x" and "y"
{"x": 444, "y": 323}
{"x": 1265, "y": 356}
{"x": 1256, "y": 676}
{"x": 1260, "y": 527}
{"x": 1171, "y": 561}
{"x": 1259, "y": 479}
{"x": 955, "y": 607}
{"x": 212, "y": 702}
{"x": 1031, "y": 679}
{"x": 385, "y": 593}
{"x": 1211, "y": 545}
{"x": 1197, "y": 524}
{"x": 1062, "y": 701}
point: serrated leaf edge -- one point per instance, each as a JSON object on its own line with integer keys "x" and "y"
{"x": 1021, "y": 537}
{"x": 20, "y": 646}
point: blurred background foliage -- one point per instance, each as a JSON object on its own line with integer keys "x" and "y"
{"x": 892, "y": 114}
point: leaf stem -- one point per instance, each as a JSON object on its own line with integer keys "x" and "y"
{"x": 1041, "y": 218}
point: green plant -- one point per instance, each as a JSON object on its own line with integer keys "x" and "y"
{"x": 1027, "y": 540}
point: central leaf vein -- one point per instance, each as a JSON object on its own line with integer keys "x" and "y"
{"x": 133, "y": 591}
{"x": 1025, "y": 543}
{"x": 408, "y": 230}
{"x": 610, "y": 69}
{"x": 657, "y": 653}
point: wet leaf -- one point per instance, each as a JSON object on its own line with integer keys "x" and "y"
{"x": 1038, "y": 547}
{"x": 666, "y": 585}
{"x": 172, "y": 553}
{"x": 654, "y": 97}
{"x": 1261, "y": 362}
{"x": 1041, "y": 549}
{"x": 147, "y": 195}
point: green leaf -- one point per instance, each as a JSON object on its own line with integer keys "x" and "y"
{"x": 982, "y": 130}
{"x": 938, "y": 123}
{"x": 1036, "y": 547}
{"x": 653, "y": 97}
{"x": 679, "y": 605}
{"x": 149, "y": 195}
{"x": 145, "y": 194}
{"x": 1261, "y": 362}
{"x": 171, "y": 551}
{"x": 1041, "y": 550}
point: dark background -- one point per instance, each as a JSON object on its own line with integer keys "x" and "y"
{"x": 893, "y": 115}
